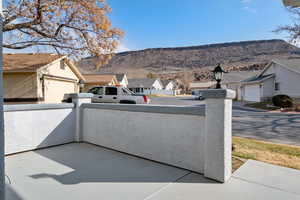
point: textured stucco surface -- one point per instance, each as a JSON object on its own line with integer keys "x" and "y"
{"x": 218, "y": 139}
{"x": 188, "y": 137}
{"x": 178, "y": 110}
{"x": 169, "y": 138}
{"x": 30, "y": 129}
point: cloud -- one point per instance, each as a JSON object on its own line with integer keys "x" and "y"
{"x": 122, "y": 48}
{"x": 246, "y": 1}
{"x": 249, "y": 9}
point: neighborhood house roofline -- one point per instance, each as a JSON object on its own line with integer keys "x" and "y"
{"x": 256, "y": 80}
{"x": 120, "y": 77}
{"x": 142, "y": 83}
{"x": 32, "y": 63}
{"x": 165, "y": 83}
{"x": 69, "y": 63}
{"x": 99, "y": 78}
{"x": 234, "y": 77}
{"x": 282, "y": 65}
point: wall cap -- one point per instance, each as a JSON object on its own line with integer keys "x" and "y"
{"x": 163, "y": 109}
{"x": 80, "y": 95}
{"x": 30, "y": 107}
{"x": 218, "y": 94}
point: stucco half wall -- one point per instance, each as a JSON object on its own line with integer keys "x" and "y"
{"x": 196, "y": 138}
{"x": 150, "y": 132}
{"x": 29, "y": 127}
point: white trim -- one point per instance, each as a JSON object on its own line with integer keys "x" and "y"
{"x": 282, "y": 65}
{"x": 258, "y": 82}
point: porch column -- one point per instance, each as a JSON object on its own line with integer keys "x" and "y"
{"x": 218, "y": 136}
{"x": 78, "y": 99}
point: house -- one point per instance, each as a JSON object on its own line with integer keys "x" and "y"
{"x": 233, "y": 80}
{"x": 146, "y": 86}
{"x": 278, "y": 77}
{"x": 122, "y": 79}
{"x": 92, "y": 80}
{"x": 168, "y": 84}
{"x": 38, "y": 78}
{"x": 170, "y": 87}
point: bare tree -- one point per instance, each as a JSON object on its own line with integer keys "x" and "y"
{"x": 293, "y": 30}
{"x": 73, "y": 27}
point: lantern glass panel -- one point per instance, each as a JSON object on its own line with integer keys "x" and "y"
{"x": 218, "y": 75}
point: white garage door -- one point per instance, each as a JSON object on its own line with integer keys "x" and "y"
{"x": 55, "y": 90}
{"x": 252, "y": 93}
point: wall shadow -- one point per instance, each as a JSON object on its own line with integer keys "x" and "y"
{"x": 91, "y": 163}
{"x": 63, "y": 133}
{"x": 11, "y": 194}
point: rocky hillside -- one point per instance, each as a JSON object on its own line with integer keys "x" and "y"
{"x": 194, "y": 59}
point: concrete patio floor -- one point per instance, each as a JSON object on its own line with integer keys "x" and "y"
{"x": 84, "y": 171}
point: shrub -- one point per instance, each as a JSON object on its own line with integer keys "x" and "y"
{"x": 282, "y": 101}
{"x": 297, "y": 108}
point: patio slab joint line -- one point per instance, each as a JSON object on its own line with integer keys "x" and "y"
{"x": 268, "y": 186}
{"x": 161, "y": 189}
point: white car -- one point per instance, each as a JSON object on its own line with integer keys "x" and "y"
{"x": 197, "y": 95}
{"x": 116, "y": 94}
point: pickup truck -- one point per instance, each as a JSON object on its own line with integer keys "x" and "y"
{"x": 116, "y": 94}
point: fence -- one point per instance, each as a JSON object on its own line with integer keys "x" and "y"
{"x": 196, "y": 138}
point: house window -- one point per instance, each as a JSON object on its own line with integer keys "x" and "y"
{"x": 277, "y": 86}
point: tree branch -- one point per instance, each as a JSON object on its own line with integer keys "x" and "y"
{"x": 37, "y": 20}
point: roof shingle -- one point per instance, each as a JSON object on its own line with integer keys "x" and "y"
{"x": 293, "y": 64}
{"x": 99, "y": 78}
{"x": 27, "y": 62}
{"x": 141, "y": 82}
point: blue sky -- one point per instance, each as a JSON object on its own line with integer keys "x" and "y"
{"x": 174, "y": 23}
{"x": 171, "y": 23}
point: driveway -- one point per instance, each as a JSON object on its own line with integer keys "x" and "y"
{"x": 273, "y": 127}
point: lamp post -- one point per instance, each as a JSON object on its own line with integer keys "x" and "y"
{"x": 81, "y": 85}
{"x": 218, "y": 75}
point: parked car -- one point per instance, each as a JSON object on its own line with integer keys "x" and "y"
{"x": 117, "y": 94}
{"x": 197, "y": 95}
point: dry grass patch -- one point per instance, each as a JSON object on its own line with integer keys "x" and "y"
{"x": 278, "y": 154}
{"x": 268, "y": 105}
{"x": 236, "y": 163}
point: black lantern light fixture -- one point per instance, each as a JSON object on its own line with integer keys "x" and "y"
{"x": 218, "y": 75}
{"x": 81, "y": 85}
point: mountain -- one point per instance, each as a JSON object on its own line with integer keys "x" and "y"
{"x": 195, "y": 59}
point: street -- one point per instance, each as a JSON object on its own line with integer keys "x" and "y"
{"x": 273, "y": 127}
